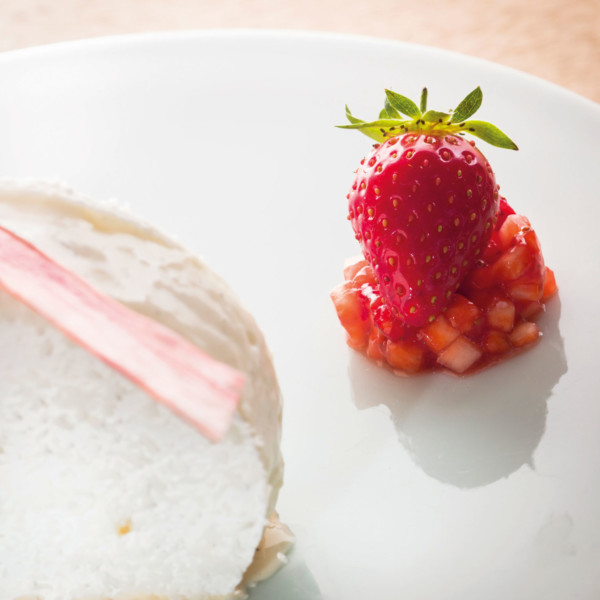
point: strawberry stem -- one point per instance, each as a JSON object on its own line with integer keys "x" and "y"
{"x": 423, "y": 103}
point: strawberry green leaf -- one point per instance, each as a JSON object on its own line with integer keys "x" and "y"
{"x": 386, "y": 123}
{"x": 468, "y": 107}
{"x": 488, "y": 133}
{"x": 391, "y": 111}
{"x": 434, "y": 116}
{"x": 351, "y": 117}
{"x": 403, "y": 104}
{"x": 391, "y": 123}
{"x": 373, "y": 132}
{"x": 379, "y": 130}
{"x": 423, "y": 103}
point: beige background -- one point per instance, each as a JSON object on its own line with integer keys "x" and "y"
{"x": 558, "y": 40}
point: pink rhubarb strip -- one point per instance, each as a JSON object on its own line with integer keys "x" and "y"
{"x": 199, "y": 388}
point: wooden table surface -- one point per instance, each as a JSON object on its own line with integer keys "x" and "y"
{"x": 557, "y": 40}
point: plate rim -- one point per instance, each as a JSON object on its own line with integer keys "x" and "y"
{"x": 289, "y": 35}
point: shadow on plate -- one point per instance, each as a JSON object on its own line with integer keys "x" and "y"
{"x": 292, "y": 582}
{"x": 470, "y": 431}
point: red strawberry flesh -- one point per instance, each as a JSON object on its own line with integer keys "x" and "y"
{"x": 422, "y": 207}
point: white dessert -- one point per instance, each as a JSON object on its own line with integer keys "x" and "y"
{"x": 106, "y": 493}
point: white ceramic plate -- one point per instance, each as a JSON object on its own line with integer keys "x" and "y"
{"x": 422, "y": 489}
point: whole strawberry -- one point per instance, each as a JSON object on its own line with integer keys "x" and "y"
{"x": 422, "y": 205}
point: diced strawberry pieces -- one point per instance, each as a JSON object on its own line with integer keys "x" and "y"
{"x": 504, "y": 210}
{"x": 524, "y": 333}
{"x": 352, "y": 266}
{"x": 549, "y": 284}
{"x": 532, "y": 241}
{"x": 353, "y": 315}
{"x": 460, "y": 355}
{"x": 439, "y": 334}
{"x": 463, "y": 315}
{"x": 513, "y": 224}
{"x": 492, "y": 314}
{"x": 406, "y": 356}
{"x": 376, "y": 345}
{"x": 363, "y": 276}
{"x": 529, "y": 311}
{"x": 526, "y": 291}
{"x": 492, "y": 251}
{"x": 500, "y": 314}
{"x": 512, "y": 263}
{"x": 496, "y": 342}
{"x": 383, "y": 317}
{"x": 480, "y": 278}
